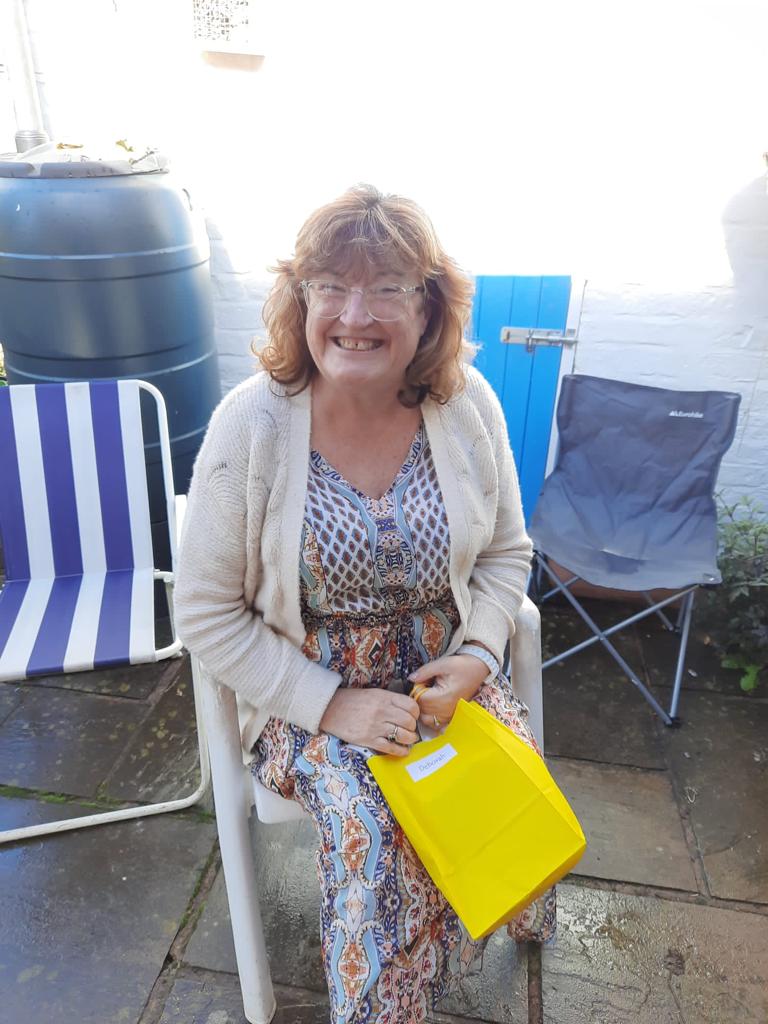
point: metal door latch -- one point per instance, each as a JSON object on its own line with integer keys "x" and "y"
{"x": 533, "y": 336}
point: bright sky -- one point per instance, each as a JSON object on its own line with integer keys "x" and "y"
{"x": 598, "y": 137}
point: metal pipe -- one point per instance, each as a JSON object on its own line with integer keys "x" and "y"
{"x": 21, "y": 76}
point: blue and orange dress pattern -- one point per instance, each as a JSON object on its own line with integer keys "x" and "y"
{"x": 376, "y": 605}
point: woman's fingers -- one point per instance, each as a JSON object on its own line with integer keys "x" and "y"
{"x": 406, "y": 703}
{"x": 403, "y": 711}
{"x": 402, "y": 742}
{"x": 428, "y": 671}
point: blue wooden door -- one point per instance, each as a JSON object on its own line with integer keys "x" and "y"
{"x": 524, "y": 377}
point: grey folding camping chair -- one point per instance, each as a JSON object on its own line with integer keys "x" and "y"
{"x": 629, "y": 504}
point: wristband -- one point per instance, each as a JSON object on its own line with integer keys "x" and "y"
{"x": 485, "y": 656}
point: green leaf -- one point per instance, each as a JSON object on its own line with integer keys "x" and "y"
{"x": 748, "y": 681}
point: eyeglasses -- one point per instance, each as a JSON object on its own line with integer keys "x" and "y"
{"x": 384, "y": 302}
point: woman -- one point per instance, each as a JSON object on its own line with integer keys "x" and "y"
{"x": 354, "y": 528}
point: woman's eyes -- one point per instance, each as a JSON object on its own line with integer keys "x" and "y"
{"x": 386, "y": 291}
{"x": 382, "y": 291}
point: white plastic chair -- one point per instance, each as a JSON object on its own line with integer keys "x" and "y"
{"x": 77, "y": 543}
{"x": 236, "y": 792}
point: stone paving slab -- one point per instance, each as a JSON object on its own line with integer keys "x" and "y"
{"x": 202, "y": 997}
{"x": 65, "y": 742}
{"x": 11, "y": 696}
{"x": 290, "y": 905}
{"x": 498, "y": 992}
{"x": 595, "y": 714}
{"x": 87, "y": 918}
{"x": 720, "y": 758}
{"x": 703, "y": 670}
{"x": 161, "y": 762}
{"x": 208, "y": 997}
{"x": 211, "y": 946}
{"x": 591, "y": 709}
{"x": 133, "y": 682}
{"x": 621, "y": 959}
{"x": 631, "y": 822}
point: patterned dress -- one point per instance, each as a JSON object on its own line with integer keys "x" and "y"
{"x": 376, "y": 605}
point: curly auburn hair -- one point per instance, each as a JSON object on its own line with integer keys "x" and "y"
{"x": 365, "y": 227}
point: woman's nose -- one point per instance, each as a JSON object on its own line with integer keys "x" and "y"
{"x": 355, "y": 311}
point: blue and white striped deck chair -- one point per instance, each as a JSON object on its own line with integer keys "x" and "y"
{"x": 77, "y": 542}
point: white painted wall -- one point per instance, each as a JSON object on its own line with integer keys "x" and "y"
{"x": 618, "y": 142}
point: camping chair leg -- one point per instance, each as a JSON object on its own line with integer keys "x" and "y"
{"x": 535, "y": 586}
{"x": 667, "y": 622}
{"x": 686, "y": 613}
{"x": 602, "y": 637}
{"x": 681, "y": 616}
{"x": 533, "y": 590}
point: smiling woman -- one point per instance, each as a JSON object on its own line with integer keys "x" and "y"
{"x": 382, "y": 240}
{"x": 353, "y": 559}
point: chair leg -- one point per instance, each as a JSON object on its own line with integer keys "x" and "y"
{"x": 233, "y": 803}
{"x": 685, "y": 628}
{"x": 536, "y": 589}
{"x": 665, "y": 620}
{"x": 602, "y": 637}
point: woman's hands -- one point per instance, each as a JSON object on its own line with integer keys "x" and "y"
{"x": 447, "y": 681}
{"x": 368, "y": 717}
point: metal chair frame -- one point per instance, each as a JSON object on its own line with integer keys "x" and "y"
{"x": 682, "y": 627}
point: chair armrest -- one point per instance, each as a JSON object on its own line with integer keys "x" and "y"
{"x": 231, "y": 779}
{"x": 525, "y": 665}
{"x": 180, "y": 503}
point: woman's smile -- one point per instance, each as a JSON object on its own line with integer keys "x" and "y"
{"x": 356, "y": 350}
{"x": 357, "y": 344}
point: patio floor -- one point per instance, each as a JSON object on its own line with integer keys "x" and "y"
{"x": 664, "y": 921}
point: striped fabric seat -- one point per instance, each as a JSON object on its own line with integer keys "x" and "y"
{"x": 77, "y": 540}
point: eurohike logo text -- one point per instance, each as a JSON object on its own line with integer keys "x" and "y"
{"x": 687, "y": 415}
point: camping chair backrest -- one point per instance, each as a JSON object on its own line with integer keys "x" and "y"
{"x": 76, "y": 528}
{"x": 635, "y": 474}
{"x": 74, "y": 497}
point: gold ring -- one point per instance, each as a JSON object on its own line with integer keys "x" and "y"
{"x": 436, "y": 720}
{"x": 393, "y": 735}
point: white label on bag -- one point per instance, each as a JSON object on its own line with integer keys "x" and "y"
{"x": 431, "y": 763}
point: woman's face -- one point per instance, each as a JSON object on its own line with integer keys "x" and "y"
{"x": 355, "y": 351}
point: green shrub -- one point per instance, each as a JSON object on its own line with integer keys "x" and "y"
{"x": 735, "y": 614}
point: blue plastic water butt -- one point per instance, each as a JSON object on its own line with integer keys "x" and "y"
{"x": 104, "y": 273}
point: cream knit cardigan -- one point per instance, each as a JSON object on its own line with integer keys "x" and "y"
{"x": 237, "y": 604}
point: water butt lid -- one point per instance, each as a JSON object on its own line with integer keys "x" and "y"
{"x": 82, "y": 160}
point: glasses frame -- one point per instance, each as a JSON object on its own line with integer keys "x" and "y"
{"x": 406, "y": 293}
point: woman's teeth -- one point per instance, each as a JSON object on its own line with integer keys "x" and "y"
{"x": 357, "y": 344}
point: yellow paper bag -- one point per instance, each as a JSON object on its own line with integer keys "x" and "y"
{"x": 484, "y": 815}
